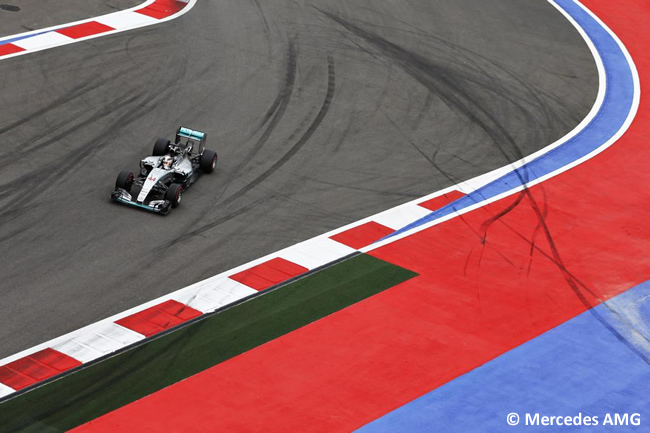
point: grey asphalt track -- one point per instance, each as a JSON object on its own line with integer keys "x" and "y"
{"x": 322, "y": 112}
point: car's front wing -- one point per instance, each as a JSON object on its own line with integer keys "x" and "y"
{"x": 158, "y": 206}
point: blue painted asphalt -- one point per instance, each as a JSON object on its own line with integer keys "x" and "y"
{"x": 595, "y": 364}
{"x": 618, "y": 102}
{"x": 19, "y": 38}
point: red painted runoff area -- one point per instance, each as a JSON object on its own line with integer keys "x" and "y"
{"x": 269, "y": 273}
{"x": 162, "y": 8}
{"x": 36, "y": 367}
{"x": 489, "y": 281}
{"x": 440, "y": 201}
{"x": 85, "y": 29}
{"x": 158, "y": 318}
{"x": 363, "y": 235}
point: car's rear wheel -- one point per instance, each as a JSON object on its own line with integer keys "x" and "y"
{"x": 124, "y": 180}
{"x": 208, "y": 161}
{"x": 161, "y": 147}
{"x": 174, "y": 194}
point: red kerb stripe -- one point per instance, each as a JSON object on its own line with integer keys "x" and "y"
{"x": 159, "y": 317}
{"x": 162, "y": 8}
{"x": 269, "y": 273}
{"x": 85, "y": 29}
{"x": 36, "y": 367}
{"x": 363, "y": 235}
{"x": 7, "y": 49}
{"x": 441, "y": 201}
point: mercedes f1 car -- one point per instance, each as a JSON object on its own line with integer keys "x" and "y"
{"x": 164, "y": 177}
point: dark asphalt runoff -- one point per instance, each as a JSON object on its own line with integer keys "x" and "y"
{"x": 322, "y": 112}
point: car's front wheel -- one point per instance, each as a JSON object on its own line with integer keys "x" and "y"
{"x": 124, "y": 180}
{"x": 174, "y": 194}
{"x": 208, "y": 161}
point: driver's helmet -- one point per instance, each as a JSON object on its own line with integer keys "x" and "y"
{"x": 167, "y": 162}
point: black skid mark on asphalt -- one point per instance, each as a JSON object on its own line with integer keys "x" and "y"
{"x": 324, "y": 108}
{"x": 482, "y": 233}
{"x": 9, "y": 8}
{"x": 449, "y": 87}
{"x": 135, "y": 105}
{"x": 260, "y": 11}
{"x": 331, "y": 84}
{"x": 27, "y": 148}
{"x": 430, "y": 159}
{"x": 271, "y": 119}
{"x": 475, "y": 58}
{"x": 67, "y": 97}
{"x": 428, "y": 102}
{"x": 23, "y": 188}
{"x": 20, "y": 192}
{"x": 438, "y": 80}
{"x": 277, "y": 109}
{"x": 32, "y": 181}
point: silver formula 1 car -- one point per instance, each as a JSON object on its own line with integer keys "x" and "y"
{"x": 164, "y": 177}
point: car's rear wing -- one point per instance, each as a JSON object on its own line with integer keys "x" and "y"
{"x": 192, "y": 134}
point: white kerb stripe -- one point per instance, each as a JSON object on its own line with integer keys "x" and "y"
{"x": 401, "y": 216}
{"x": 126, "y": 20}
{"x": 98, "y": 341}
{"x": 78, "y": 351}
{"x": 213, "y": 294}
{"x": 45, "y": 40}
{"x": 5, "y": 390}
{"x": 315, "y": 252}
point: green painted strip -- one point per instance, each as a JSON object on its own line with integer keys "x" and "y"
{"x": 128, "y": 376}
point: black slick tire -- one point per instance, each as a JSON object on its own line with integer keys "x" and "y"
{"x": 174, "y": 194}
{"x": 208, "y": 161}
{"x": 124, "y": 180}
{"x": 161, "y": 147}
